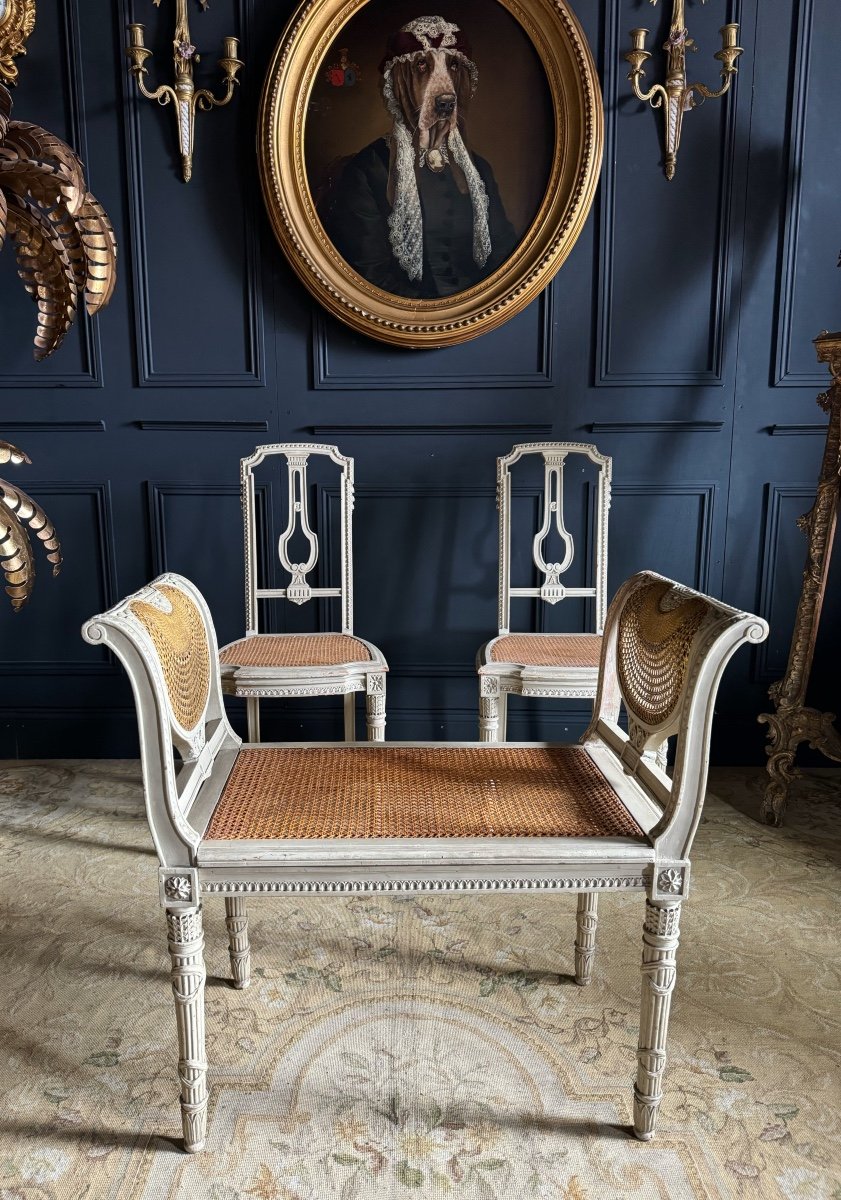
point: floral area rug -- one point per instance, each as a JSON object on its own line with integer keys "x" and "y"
{"x": 416, "y": 1047}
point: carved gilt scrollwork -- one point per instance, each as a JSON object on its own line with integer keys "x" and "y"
{"x": 792, "y": 722}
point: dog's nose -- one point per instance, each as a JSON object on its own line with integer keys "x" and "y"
{"x": 445, "y": 103}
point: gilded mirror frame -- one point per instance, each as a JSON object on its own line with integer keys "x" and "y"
{"x": 573, "y": 175}
{"x": 17, "y": 20}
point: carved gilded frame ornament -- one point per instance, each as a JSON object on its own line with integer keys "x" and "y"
{"x": 17, "y": 20}
{"x": 573, "y": 175}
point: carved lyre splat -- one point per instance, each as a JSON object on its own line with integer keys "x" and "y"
{"x": 552, "y": 590}
{"x": 298, "y": 590}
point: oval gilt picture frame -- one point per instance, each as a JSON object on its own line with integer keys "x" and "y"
{"x": 415, "y": 211}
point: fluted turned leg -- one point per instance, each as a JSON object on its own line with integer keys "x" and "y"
{"x": 375, "y": 708}
{"x": 503, "y": 717}
{"x": 236, "y": 923}
{"x": 252, "y": 712}
{"x": 350, "y": 717}
{"x": 659, "y": 968}
{"x": 586, "y": 923}
{"x": 186, "y": 950}
{"x": 488, "y": 719}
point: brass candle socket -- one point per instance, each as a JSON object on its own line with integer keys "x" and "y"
{"x": 676, "y": 96}
{"x": 183, "y": 93}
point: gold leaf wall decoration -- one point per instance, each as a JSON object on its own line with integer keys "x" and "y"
{"x": 20, "y": 515}
{"x": 65, "y": 244}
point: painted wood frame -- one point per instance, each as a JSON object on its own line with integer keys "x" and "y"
{"x": 498, "y": 679}
{"x": 180, "y": 806}
{"x": 254, "y": 683}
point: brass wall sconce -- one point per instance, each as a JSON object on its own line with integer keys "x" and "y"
{"x": 184, "y": 94}
{"x": 677, "y": 97}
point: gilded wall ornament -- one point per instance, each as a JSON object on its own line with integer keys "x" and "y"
{"x": 426, "y": 206}
{"x": 17, "y": 20}
{"x": 792, "y": 722}
{"x": 17, "y": 511}
{"x": 185, "y": 97}
{"x": 64, "y": 241}
{"x": 677, "y": 96}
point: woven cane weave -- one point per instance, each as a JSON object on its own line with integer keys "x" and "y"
{"x": 418, "y": 792}
{"x": 653, "y": 649}
{"x": 548, "y": 649}
{"x": 180, "y": 639}
{"x": 295, "y": 650}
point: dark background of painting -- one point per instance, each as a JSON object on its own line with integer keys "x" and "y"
{"x": 677, "y": 337}
{"x": 510, "y": 121}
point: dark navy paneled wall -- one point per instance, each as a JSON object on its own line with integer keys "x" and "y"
{"x": 677, "y": 337}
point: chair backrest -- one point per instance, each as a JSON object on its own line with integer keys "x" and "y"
{"x": 164, "y": 637}
{"x": 665, "y": 648}
{"x": 295, "y": 456}
{"x": 552, "y": 589}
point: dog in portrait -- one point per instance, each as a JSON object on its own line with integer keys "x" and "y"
{"x": 415, "y": 212}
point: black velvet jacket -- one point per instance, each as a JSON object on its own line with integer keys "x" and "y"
{"x": 355, "y": 216}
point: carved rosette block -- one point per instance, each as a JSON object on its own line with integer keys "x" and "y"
{"x": 586, "y": 923}
{"x": 236, "y": 923}
{"x": 659, "y": 970}
{"x": 186, "y": 951}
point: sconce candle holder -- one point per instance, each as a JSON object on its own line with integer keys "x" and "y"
{"x": 184, "y": 94}
{"x": 677, "y": 97}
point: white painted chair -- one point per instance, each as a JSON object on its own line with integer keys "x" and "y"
{"x": 292, "y": 665}
{"x": 558, "y": 665}
{"x": 238, "y": 820}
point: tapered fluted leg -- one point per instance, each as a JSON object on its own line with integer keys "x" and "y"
{"x": 186, "y": 950}
{"x": 659, "y": 947}
{"x": 503, "y": 716}
{"x": 586, "y": 923}
{"x": 488, "y": 719}
{"x": 236, "y": 923}
{"x": 350, "y": 717}
{"x": 375, "y": 708}
{"x": 252, "y": 712}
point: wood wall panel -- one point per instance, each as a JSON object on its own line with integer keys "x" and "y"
{"x": 676, "y": 337}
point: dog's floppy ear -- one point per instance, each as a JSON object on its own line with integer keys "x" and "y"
{"x": 401, "y": 85}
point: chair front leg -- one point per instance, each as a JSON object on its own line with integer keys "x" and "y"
{"x": 350, "y": 716}
{"x": 586, "y": 923}
{"x": 375, "y": 707}
{"x": 252, "y": 712}
{"x": 659, "y": 969}
{"x": 236, "y": 923}
{"x": 488, "y": 708}
{"x": 186, "y": 951}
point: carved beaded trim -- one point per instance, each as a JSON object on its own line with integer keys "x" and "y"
{"x": 425, "y": 885}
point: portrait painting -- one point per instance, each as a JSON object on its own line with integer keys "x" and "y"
{"x": 428, "y": 162}
{"x": 428, "y": 169}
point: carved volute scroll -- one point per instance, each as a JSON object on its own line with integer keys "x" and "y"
{"x": 298, "y": 590}
{"x": 553, "y": 513}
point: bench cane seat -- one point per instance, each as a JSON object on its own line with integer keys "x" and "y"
{"x": 238, "y": 821}
{"x": 418, "y": 792}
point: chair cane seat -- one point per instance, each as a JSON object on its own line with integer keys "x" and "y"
{"x": 269, "y": 650}
{"x": 418, "y": 792}
{"x": 547, "y": 649}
